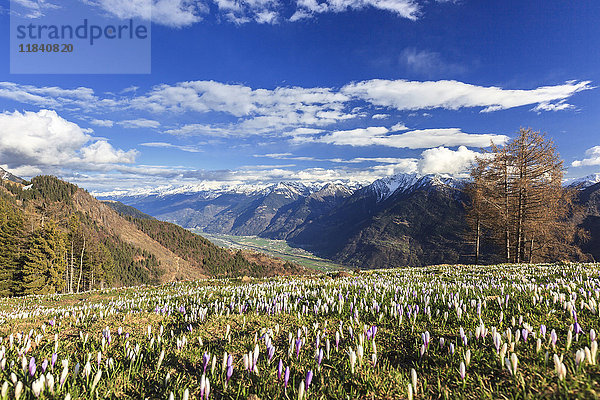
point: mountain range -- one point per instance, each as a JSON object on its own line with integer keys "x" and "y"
{"x": 405, "y": 219}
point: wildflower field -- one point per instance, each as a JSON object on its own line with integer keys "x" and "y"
{"x": 513, "y": 332}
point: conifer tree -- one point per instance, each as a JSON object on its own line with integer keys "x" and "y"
{"x": 11, "y": 232}
{"x": 44, "y": 261}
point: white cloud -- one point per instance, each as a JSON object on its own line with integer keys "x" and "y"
{"x": 139, "y": 123}
{"x": 49, "y": 96}
{"x": 592, "y": 158}
{"x": 416, "y": 139}
{"x": 441, "y": 160}
{"x": 32, "y": 140}
{"x": 30, "y": 8}
{"x": 189, "y": 149}
{"x": 403, "y": 8}
{"x": 198, "y": 130}
{"x": 259, "y": 110}
{"x": 181, "y": 13}
{"x": 173, "y": 13}
{"x": 102, "y": 122}
{"x": 453, "y": 95}
{"x": 399, "y": 127}
{"x": 102, "y": 152}
{"x": 380, "y": 116}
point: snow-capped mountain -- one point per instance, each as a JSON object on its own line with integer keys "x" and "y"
{"x": 585, "y": 181}
{"x": 7, "y": 176}
{"x": 403, "y": 183}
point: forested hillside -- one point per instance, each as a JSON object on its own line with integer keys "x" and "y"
{"x": 56, "y": 237}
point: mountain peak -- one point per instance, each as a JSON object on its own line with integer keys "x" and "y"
{"x": 7, "y": 176}
{"x": 407, "y": 182}
{"x": 584, "y": 182}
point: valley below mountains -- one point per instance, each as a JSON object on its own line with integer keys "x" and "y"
{"x": 404, "y": 219}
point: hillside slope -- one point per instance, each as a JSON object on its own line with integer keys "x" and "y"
{"x": 85, "y": 243}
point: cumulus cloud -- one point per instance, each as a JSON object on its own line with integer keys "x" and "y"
{"x": 453, "y": 95}
{"x": 592, "y": 158}
{"x": 416, "y": 139}
{"x": 441, "y": 160}
{"x": 380, "y": 116}
{"x": 31, "y": 140}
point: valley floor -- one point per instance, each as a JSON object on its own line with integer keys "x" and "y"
{"x": 275, "y": 248}
{"x": 504, "y": 331}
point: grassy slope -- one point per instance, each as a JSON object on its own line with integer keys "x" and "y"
{"x": 537, "y": 294}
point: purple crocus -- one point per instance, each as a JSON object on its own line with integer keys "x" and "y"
{"x": 309, "y": 376}
{"x": 279, "y": 369}
{"x": 298, "y": 346}
{"x": 320, "y": 357}
{"x": 543, "y": 330}
{"x": 53, "y": 360}
{"x": 32, "y": 366}
{"x": 271, "y": 352}
{"x": 286, "y": 377}
{"x": 205, "y": 358}
{"x": 229, "y": 372}
{"x": 44, "y": 365}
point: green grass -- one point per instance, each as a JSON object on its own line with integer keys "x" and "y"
{"x": 276, "y": 248}
{"x": 190, "y": 319}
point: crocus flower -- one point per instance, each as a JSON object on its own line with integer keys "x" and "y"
{"x": 320, "y": 356}
{"x": 229, "y": 372}
{"x": 44, "y": 365}
{"x": 18, "y": 390}
{"x": 298, "y": 346}
{"x": 462, "y": 370}
{"x": 286, "y": 377}
{"x": 205, "y": 360}
{"x": 279, "y": 369}
{"x": 32, "y": 366}
{"x": 309, "y": 377}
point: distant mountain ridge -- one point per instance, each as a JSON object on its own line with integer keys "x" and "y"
{"x": 404, "y": 219}
{"x": 332, "y": 220}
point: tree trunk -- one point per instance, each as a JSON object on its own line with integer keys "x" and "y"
{"x": 72, "y": 267}
{"x": 531, "y": 251}
{"x": 81, "y": 265}
{"x": 477, "y": 238}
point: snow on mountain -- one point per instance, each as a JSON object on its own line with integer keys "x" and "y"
{"x": 584, "y": 182}
{"x": 5, "y": 175}
{"x": 400, "y": 183}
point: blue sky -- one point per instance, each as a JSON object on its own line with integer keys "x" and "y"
{"x": 251, "y": 92}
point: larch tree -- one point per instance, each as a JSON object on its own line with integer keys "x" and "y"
{"x": 517, "y": 193}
